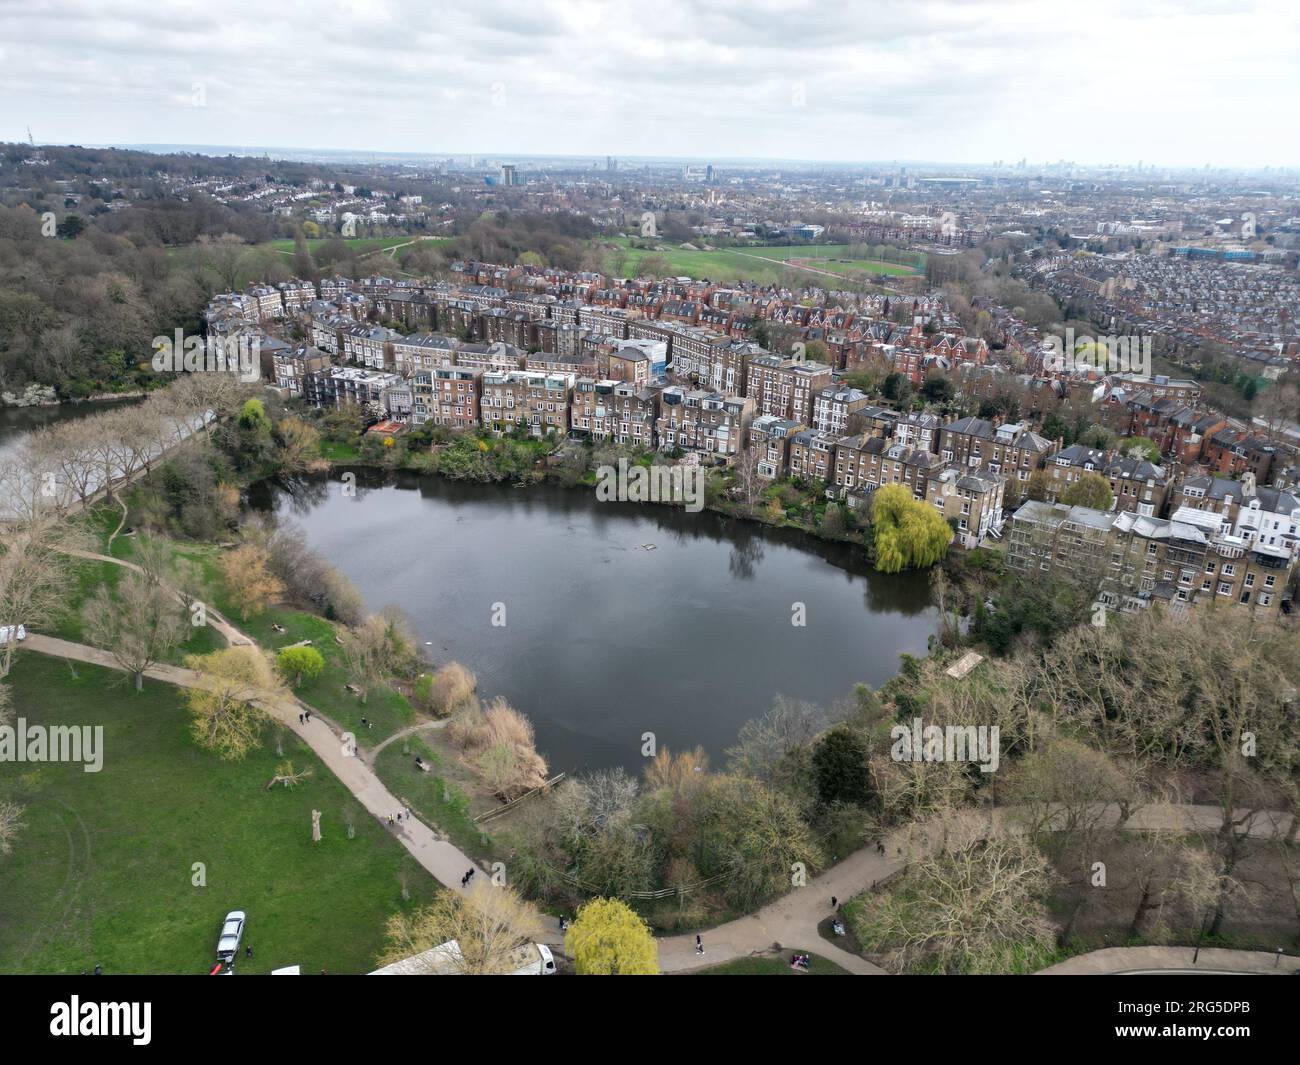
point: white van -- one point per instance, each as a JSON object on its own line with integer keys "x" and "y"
{"x": 535, "y": 959}
{"x": 532, "y": 959}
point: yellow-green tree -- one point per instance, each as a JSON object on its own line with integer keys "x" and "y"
{"x": 608, "y": 939}
{"x": 224, "y": 713}
{"x": 907, "y": 532}
{"x": 297, "y": 664}
{"x": 1090, "y": 490}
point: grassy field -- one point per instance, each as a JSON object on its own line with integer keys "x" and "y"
{"x": 433, "y": 795}
{"x": 775, "y": 965}
{"x": 765, "y": 265}
{"x": 103, "y": 871}
{"x": 359, "y": 244}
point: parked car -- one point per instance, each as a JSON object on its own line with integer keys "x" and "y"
{"x": 232, "y": 931}
{"x": 7, "y": 633}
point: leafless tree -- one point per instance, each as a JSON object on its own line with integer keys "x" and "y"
{"x": 139, "y": 624}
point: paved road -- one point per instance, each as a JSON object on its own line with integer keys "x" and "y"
{"x": 1145, "y": 960}
{"x": 791, "y": 920}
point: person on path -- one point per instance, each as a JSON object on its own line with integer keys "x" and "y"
{"x": 301, "y": 719}
{"x": 835, "y": 903}
{"x": 699, "y": 944}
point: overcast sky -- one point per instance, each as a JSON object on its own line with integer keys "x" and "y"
{"x": 1176, "y": 83}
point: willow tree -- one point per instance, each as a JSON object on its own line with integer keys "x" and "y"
{"x": 225, "y": 711}
{"x": 907, "y": 532}
{"x": 608, "y": 938}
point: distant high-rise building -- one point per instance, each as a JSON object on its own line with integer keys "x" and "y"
{"x": 509, "y": 174}
{"x": 611, "y": 164}
{"x": 708, "y": 172}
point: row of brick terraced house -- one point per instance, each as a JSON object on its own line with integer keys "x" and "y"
{"x": 1193, "y": 557}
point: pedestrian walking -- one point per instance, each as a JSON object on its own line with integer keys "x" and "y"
{"x": 699, "y": 944}
{"x": 301, "y": 719}
{"x": 835, "y": 903}
{"x": 248, "y": 951}
{"x": 307, "y": 714}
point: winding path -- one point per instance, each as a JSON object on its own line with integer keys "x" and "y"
{"x": 792, "y": 920}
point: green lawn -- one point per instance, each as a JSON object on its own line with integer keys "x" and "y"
{"x": 433, "y": 796}
{"x": 387, "y": 709}
{"x": 764, "y": 264}
{"x": 338, "y": 451}
{"x": 358, "y": 244}
{"x": 774, "y": 966}
{"x": 102, "y": 871}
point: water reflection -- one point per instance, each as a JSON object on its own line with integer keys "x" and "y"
{"x": 607, "y": 640}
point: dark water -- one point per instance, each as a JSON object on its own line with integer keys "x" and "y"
{"x": 605, "y": 640}
{"x": 17, "y": 420}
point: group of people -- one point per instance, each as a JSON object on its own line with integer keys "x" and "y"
{"x": 801, "y": 961}
{"x": 397, "y": 817}
{"x": 467, "y": 877}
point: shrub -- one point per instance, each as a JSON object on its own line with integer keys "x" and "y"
{"x": 442, "y": 691}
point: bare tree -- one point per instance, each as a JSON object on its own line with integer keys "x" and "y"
{"x": 765, "y": 745}
{"x": 490, "y": 924}
{"x": 34, "y": 578}
{"x": 139, "y": 625}
{"x": 972, "y": 899}
{"x": 749, "y": 486}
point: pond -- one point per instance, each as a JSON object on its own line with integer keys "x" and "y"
{"x": 604, "y": 621}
